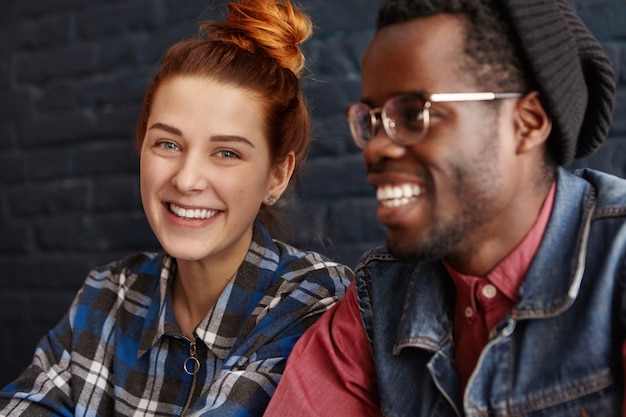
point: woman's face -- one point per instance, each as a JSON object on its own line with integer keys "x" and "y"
{"x": 205, "y": 168}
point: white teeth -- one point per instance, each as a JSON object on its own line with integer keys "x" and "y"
{"x": 397, "y": 195}
{"x": 192, "y": 214}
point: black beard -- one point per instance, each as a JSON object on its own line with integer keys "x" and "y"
{"x": 438, "y": 245}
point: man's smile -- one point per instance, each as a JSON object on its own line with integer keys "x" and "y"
{"x": 395, "y": 195}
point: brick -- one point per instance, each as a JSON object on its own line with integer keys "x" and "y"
{"x": 7, "y": 139}
{"x": 49, "y": 198}
{"x": 51, "y": 306}
{"x": 328, "y": 178}
{"x": 118, "y": 121}
{"x": 74, "y": 126}
{"x": 99, "y": 232}
{"x": 188, "y": 12}
{"x": 154, "y": 46}
{"x": 104, "y": 19}
{"x": 330, "y": 96}
{"x": 44, "y": 271}
{"x": 7, "y": 35}
{"x": 331, "y": 16}
{"x": 354, "y": 220}
{"x": 605, "y": 18}
{"x": 17, "y": 349}
{"x": 49, "y": 164}
{"x": 130, "y": 232}
{"x": 614, "y": 51}
{"x": 12, "y": 307}
{"x": 107, "y": 158}
{"x": 16, "y": 236}
{"x": 114, "y": 89}
{"x": 337, "y": 55}
{"x": 619, "y": 112}
{"x": 120, "y": 52}
{"x": 13, "y": 104}
{"x": 330, "y": 137}
{"x": 4, "y": 212}
{"x": 58, "y": 96}
{"x": 8, "y": 14}
{"x": 38, "y": 8}
{"x": 6, "y": 68}
{"x": 45, "y": 30}
{"x": 621, "y": 63}
{"x": 67, "y": 61}
{"x": 120, "y": 193}
{"x": 12, "y": 166}
{"x": 304, "y": 224}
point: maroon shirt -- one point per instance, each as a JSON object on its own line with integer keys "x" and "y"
{"x": 331, "y": 370}
{"x": 482, "y": 302}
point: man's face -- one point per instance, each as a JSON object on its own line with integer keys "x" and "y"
{"x": 447, "y": 193}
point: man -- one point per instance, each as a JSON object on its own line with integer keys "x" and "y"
{"x": 501, "y": 290}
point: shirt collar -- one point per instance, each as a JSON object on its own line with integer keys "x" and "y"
{"x": 508, "y": 275}
{"x": 160, "y": 317}
{"x": 220, "y": 327}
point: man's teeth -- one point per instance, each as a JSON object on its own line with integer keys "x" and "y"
{"x": 192, "y": 213}
{"x": 397, "y": 195}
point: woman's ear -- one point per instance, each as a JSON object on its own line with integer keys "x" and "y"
{"x": 532, "y": 124}
{"x": 280, "y": 177}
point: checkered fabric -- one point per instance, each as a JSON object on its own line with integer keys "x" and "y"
{"x": 120, "y": 351}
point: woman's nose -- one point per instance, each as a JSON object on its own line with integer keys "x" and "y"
{"x": 191, "y": 174}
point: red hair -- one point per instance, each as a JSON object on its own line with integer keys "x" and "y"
{"x": 256, "y": 48}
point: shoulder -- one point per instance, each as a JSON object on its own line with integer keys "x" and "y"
{"x": 138, "y": 273}
{"x": 373, "y": 255}
{"x": 116, "y": 293}
{"x": 132, "y": 266}
{"x": 609, "y": 190}
{"x": 378, "y": 262}
{"x": 297, "y": 264}
{"x": 381, "y": 276}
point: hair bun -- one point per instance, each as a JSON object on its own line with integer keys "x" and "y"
{"x": 273, "y": 27}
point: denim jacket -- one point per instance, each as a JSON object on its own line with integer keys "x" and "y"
{"x": 556, "y": 353}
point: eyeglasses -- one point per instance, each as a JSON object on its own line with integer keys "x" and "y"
{"x": 405, "y": 117}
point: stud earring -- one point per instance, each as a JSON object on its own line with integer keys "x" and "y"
{"x": 271, "y": 200}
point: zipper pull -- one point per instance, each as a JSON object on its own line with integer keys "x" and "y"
{"x": 192, "y": 364}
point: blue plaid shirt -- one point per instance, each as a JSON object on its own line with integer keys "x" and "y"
{"x": 120, "y": 351}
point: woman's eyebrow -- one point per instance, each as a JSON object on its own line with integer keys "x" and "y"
{"x": 231, "y": 138}
{"x": 167, "y": 128}
{"x": 215, "y": 138}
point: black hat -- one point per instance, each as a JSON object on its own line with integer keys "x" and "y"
{"x": 573, "y": 73}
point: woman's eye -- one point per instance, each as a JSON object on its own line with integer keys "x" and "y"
{"x": 169, "y": 146}
{"x": 227, "y": 154}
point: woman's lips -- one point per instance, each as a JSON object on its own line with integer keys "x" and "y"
{"x": 196, "y": 213}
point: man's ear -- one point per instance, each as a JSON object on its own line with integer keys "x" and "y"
{"x": 532, "y": 123}
{"x": 281, "y": 175}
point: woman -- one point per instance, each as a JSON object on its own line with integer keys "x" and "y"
{"x": 205, "y": 327}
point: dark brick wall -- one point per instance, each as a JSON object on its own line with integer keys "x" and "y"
{"x": 72, "y": 75}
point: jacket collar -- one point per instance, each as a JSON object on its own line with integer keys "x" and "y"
{"x": 550, "y": 286}
{"x": 553, "y": 279}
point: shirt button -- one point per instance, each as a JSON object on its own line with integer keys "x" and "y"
{"x": 469, "y": 312}
{"x": 489, "y": 291}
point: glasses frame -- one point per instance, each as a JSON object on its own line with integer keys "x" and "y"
{"x": 380, "y": 113}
